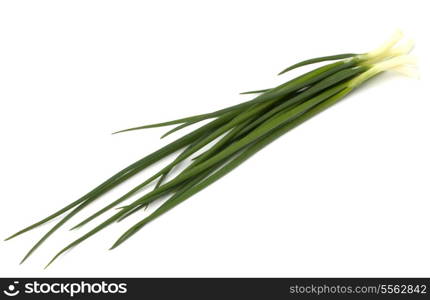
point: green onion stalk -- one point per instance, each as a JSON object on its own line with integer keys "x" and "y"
{"x": 232, "y": 135}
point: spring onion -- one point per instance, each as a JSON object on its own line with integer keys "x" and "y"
{"x": 232, "y": 135}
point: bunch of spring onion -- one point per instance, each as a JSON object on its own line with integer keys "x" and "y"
{"x": 236, "y": 133}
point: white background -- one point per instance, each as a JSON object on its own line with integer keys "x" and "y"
{"x": 346, "y": 194}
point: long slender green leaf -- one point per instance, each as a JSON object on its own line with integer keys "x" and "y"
{"x": 255, "y": 92}
{"x": 317, "y": 60}
{"x": 178, "y": 128}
